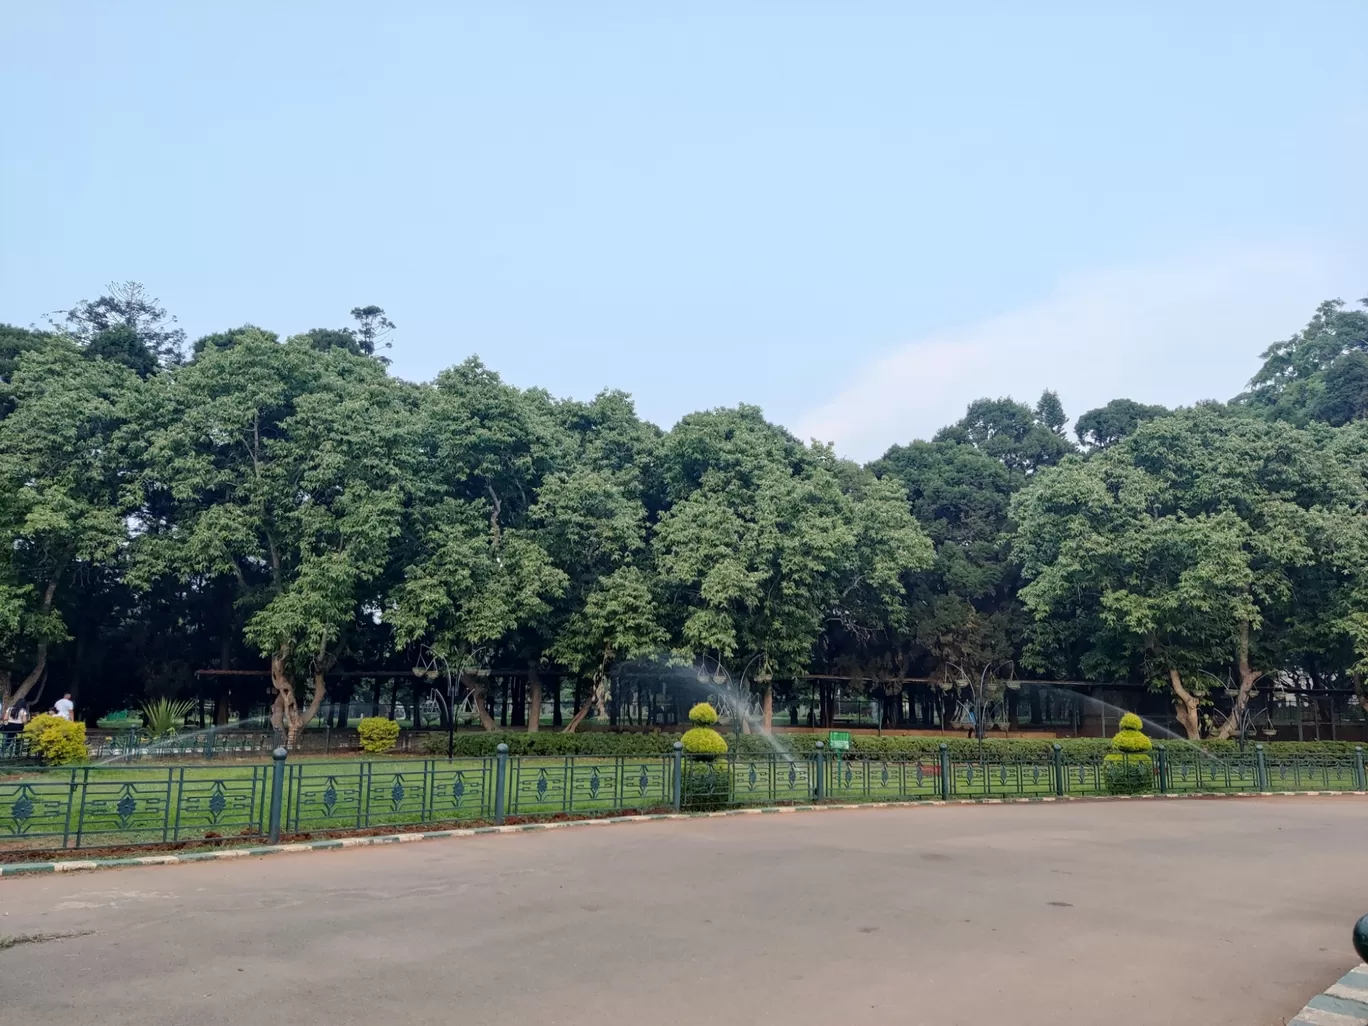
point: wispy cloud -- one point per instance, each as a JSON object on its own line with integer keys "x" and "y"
{"x": 1174, "y": 333}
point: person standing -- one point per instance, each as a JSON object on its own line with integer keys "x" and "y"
{"x": 65, "y": 708}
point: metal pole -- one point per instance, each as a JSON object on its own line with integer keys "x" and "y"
{"x": 945, "y": 771}
{"x": 277, "y": 791}
{"x": 1059, "y": 769}
{"x": 451, "y": 713}
{"x": 821, "y": 771}
{"x": 1358, "y": 768}
{"x": 500, "y": 783}
{"x": 1261, "y": 767}
{"x": 1163, "y": 769}
{"x": 678, "y": 776}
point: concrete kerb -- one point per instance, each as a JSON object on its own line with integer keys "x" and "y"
{"x": 257, "y": 851}
{"x": 1343, "y": 1004}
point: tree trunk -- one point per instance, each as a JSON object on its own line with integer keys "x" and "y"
{"x": 534, "y": 697}
{"x": 557, "y": 717}
{"x": 477, "y": 689}
{"x": 1185, "y": 707}
{"x": 594, "y": 700}
{"x": 302, "y": 720}
{"x": 1248, "y": 678}
{"x": 285, "y": 712}
{"x": 767, "y": 710}
{"x": 9, "y": 698}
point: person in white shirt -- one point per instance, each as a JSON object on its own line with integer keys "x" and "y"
{"x": 65, "y": 708}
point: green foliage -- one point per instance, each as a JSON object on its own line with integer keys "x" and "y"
{"x": 378, "y": 734}
{"x": 703, "y": 715}
{"x": 1127, "y": 774}
{"x": 165, "y": 715}
{"x": 704, "y": 741}
{"x": 1319, "y": 373}
{"x": 1202, "y": 540}
{"x": 1130, "y": 721}
{"x": 1108, "y": 424}
{"x": 707, "y": 784}
{"x": 56, "y": 740}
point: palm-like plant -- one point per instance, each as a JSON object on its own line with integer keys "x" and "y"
{"x": 165, "y": 715}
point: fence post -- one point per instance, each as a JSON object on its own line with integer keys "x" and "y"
{"x": 821, "y": 771}
{"x": 209, "y": 744}
{"x": 1163, "y": 769}
{"x": 277, "y": 791}
{"x": 1362, "y": 780}
{"x": 678, "y": 776}
{"x": 501, "y": 783}
{"x": 945, "y": 771}
{"x": 1260, "y": 768}
{"x": 1058, "y": 759}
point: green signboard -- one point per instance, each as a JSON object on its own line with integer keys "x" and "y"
{"x": 839, "y": 740}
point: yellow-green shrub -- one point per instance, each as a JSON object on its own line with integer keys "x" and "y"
{"x": 703, "y": 715}
{"x": 56, "y": 740}
{"x": 378, "y": 734}
{"x": 703, "y": 741}
{"x": 1127, "y": 769}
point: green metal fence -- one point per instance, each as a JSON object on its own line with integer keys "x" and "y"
{"x": 121, "y": 805}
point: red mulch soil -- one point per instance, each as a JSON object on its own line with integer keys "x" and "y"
{"x": 211, "y": 841}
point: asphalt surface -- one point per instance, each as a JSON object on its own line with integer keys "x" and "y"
{"x": 1174, "y": 913}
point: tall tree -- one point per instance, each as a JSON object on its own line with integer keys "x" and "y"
{"x": 473, "y": 569}
{"x": 1177, "y": 553}
{"x": 62, "y": 506}
{"x": 288, "y": 471}
{"x": 126, "y": 325}
{"x": 1108, "y": 424}
{"x": 1325, "y": 356}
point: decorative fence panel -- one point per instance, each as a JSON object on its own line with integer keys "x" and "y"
{"x": 124, "y": 805}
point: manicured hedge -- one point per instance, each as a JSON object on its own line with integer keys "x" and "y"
{"x": 476, "y": 743}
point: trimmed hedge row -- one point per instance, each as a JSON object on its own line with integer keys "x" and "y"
{"x": 1085, "y": 749}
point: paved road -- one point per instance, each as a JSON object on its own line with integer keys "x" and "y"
{"x": 1174, "y": 913}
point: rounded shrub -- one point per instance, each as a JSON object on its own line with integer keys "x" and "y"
{"x": 378, "y": 734}
{"x": 704, "y": 741}
{"x": 56, "y": 740}
{"x": 703, "y": 715}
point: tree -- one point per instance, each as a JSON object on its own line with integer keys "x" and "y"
{"x": 126, "y": 325}
{"x": 473, "y": 569}
{"x": 371, "y": 333}
{"x": 1020, "y": 438}
{"x": 762, "y": 544}
{"x": 1108, "y": 424}
{"x": 1178, "y": 552}
{"x": 290, "y": 474}
{"x": 1292, "y": 383}
{"x": 61, "y": 497}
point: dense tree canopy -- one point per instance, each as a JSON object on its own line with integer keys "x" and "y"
{"x": 288, "y": 504}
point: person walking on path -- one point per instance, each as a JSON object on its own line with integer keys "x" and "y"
{"x": 65, "y": 708}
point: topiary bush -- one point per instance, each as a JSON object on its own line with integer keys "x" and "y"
{"x": 704, "y": 741}
{"x": 1128, "y": 768}
{"x": 378, "y": 734}
{"x": 707, "y": 782}
{"x": 56, "y": 740}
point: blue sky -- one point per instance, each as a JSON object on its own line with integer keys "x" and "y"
{"x": 859, "y": 216}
